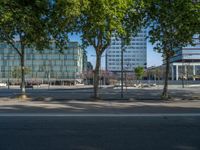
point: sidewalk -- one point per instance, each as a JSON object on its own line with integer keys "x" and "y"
{"x": 107, "y": 94}
{"x": 109, "y": 107}
{"x": 145, "y": 100}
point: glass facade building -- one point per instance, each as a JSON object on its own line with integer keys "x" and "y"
{"x": 47, "y": 65}
{"x": 135, "y": 53}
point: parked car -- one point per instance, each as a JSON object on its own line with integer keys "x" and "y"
{"x": 28, "y": 86}
{"x": 118, "y": 84}
{"x": 3, "y": 84}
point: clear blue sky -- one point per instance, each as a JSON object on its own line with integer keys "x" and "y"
{"x": 153, "y": 58}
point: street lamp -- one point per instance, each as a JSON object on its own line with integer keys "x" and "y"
{"x": 8, "y": 60}
{"x": 182, "y": 74}
{"x": 128, "y": 65}
{"x": 122, "y": 69}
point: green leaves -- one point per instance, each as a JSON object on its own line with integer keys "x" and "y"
{"x": 139, "y": 72}
{"x": 16, "y": 72}
{"x": 100, "y": 18}
{"x": 172, "y": 23}
{"x": 62, "y": 18}
{"x": 24, "y": 20}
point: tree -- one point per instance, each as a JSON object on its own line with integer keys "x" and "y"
{"x": 102, "y": 19}
{"x": 35, "y": 24}
{"x": 139, "y": 72}
{"x": 16, "y": 72}
{"x": 172, "y": 24}
{"x": 22, "y": 20}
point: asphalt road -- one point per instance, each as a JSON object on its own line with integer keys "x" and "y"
{"x": 100, "y": 133}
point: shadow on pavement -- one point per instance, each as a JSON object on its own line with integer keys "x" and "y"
{"x": 75, "y": 106}
{"x": 105, "y": 94}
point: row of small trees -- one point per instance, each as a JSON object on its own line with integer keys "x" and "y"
{"x": 171, "y": 24}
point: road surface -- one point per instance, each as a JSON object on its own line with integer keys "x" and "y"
{"x": 85, "y": 132}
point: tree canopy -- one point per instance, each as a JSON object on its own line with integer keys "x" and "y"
{"x": 101, "y": 19}
{"x": 172, "y": 25}
{"x": 24, "y": 20}
{"x": 61, "y": 20}
{"x": 139, "y": 72}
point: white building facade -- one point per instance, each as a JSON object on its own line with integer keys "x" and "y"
{"x": 135, "y": 54}
{"x": 186, "y": 61}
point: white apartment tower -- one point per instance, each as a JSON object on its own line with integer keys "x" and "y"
{"x": 135, "y": 53}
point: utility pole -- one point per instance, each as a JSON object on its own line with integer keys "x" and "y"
{"x": 9, "y": 69}
{"x": 122, "y": 68}
{"x": 8, "y": 75}
{"x": 182, "y": 74}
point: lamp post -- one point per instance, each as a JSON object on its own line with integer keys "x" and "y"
{"x": 49, "y": 72}
{"x": 9, "y": 70}
{"x": 32, "y": 55}
{"x": 122, "y": 69}
{"x": 128, "y": 65}
{"x": 48, "y": 79}
{"x": 8, "y": 75}
{"x": 182, "y": 74}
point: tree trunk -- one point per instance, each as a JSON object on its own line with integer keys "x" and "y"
{"x": 23, "y": 90}
{"x": 165, "y": 94}
{"x": 96, "y": 75}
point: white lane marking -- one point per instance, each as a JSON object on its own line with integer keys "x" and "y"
{"x": 99, "y": 115}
